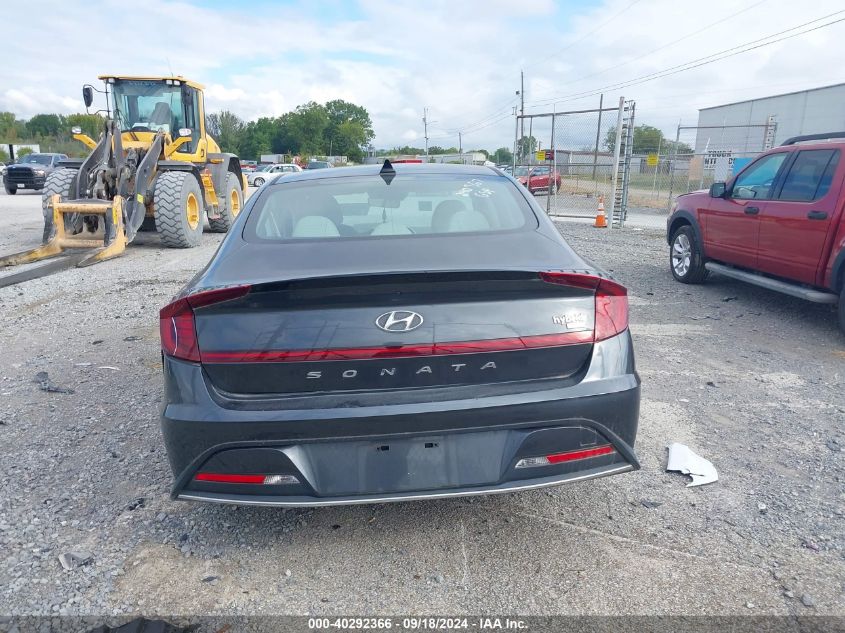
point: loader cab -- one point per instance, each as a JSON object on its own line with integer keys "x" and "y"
{"x": 144, "y": 106}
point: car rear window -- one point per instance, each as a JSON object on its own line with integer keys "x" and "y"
{"x": 368, "y": 207}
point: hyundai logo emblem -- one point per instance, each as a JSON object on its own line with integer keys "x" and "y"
{"x": 399, "y": 321}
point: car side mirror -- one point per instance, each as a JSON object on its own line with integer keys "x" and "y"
{"x": 88, "y": 95}
{"x": 717, "y": 190}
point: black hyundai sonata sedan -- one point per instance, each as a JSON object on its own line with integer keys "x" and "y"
{"x": 383, "y": 333}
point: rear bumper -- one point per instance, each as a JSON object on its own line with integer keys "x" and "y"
{"x": 402, "y": 446}
{"x": 310, "y": 501}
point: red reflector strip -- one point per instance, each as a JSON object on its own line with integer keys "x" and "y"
{"x": 400, "y": 351}
{"x": 226, "y": 478}
{"x": 581, "y": 454}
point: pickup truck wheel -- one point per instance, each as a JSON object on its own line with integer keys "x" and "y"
{"x": 685, "y": 259}
{"x": 10, "y": 190}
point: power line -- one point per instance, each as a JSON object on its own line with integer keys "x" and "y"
{"x": 507, "y": 106}
{"x": 701, "y": 61}
{"x": 667, "y": 45}
{"x": 465, "y": 128}
{"x": 598, "y": 28}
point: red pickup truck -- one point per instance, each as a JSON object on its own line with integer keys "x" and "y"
{"x": 779, "y": 223}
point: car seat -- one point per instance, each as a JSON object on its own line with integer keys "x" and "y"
{"x": 443, "y": 214}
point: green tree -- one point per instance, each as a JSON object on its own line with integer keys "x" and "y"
{"x": 23, "y": 151}
{"x": 436, "y": 149}
{"x": 502, "y": 156}
{"x": 4, "y": 156}
{"x": 304, "y": 130}
{"x": 525, "y": 146}
{"x": 8, "y": 127}
{"x": 647, "y": 140}
{"x": 256, "y": 138}
{"x": 42, "y": 125}
{"x": 349, "y": 129}
{"x": 91, "y": 124}
{"x": 227, "y": 129}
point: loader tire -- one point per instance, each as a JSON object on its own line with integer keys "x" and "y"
{"x": 178, "y": 206}
{"x": 231, "y": 203}
{"x": 59, "y": 182}
{"x": 148, "y": 225}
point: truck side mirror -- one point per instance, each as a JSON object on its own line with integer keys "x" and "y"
{"x": 88, "y": 95}
{"x": 717, "y": 190}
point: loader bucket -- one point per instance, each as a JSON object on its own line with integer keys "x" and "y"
{"x": 113, "y": 244}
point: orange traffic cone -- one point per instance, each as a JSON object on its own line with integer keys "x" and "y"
{"x": 601, "y": 219}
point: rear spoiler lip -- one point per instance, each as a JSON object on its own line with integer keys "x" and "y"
{"x": 269, "y": 285}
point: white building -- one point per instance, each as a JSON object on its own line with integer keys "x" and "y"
{"x": 743, "y": 126}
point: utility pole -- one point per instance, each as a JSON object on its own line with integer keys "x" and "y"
{"x": 425, "y": 127}
{"x": 522, "y": 109}
{"x": 460, "y": 147}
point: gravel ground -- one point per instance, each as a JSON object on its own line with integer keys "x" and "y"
{"x": 751, "y": 380}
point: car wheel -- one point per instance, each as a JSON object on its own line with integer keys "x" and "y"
{"x": 10, "y": 190}
{"x": 685, "y": 260}
{"x": 258, "y": 182}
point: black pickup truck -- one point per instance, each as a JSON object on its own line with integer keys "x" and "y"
{"x": 30, "y": 172}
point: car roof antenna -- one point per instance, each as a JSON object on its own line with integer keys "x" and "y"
{"x": 387, "y": 172}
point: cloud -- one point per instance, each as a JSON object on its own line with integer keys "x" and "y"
{"x": 395, "y": 57}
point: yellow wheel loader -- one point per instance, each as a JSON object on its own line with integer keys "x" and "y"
{"x": 154, "y": 167}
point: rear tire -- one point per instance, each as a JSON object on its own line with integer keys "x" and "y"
{"x": 842, "y": 309}
{"x": 231, "y": 203}
{"x": 258, "y": 182}
{"x": 59, "y": 182}
{"x": 685, "y": 260}
{"x": 178, "y": 207}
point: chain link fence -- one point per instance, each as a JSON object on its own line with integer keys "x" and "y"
{"x": 698, "y": 157}
{"x": 572, "y": 158}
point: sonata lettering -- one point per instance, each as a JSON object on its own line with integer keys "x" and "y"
{"x": 391, "y": 371}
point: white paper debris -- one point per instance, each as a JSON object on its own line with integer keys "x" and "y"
{"x": 683, "y": 460}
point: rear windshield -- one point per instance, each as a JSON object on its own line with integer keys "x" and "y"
{"x": 368, "y": 207}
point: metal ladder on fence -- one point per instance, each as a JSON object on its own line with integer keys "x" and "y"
{"x": 626, "y": 150}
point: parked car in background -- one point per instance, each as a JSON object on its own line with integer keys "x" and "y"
{"x": 536, "y": 179}
{"x": 266, "y": 173}
{"x": 318, "y": 164}
{"x": 30, "y": 172}
{"x": 779, "y": 223}
{"x": 248, "y": 166}
{"x": 386, "y": 333}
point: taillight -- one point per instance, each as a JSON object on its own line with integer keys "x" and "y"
{"x": 233, "y": 478}
{"x": 568, "y": 456}
{"x": 611, "y": 300}
{"x": 176, "y": 321}
{"x": 611, "y": 309}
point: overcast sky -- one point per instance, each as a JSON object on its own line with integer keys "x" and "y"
{"x": 461, "y": 58}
